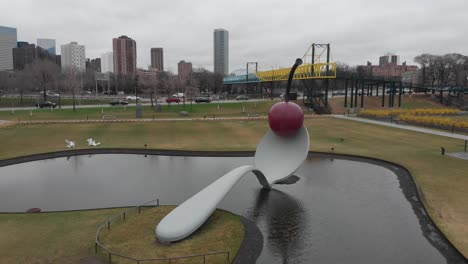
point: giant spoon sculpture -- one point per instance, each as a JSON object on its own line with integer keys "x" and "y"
{"x": 281, "y": 151}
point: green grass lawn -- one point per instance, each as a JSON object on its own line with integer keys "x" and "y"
{"x": 121, "y": 112}
{"x": 134, "y": 237}
{"x": 50, "y": 237}
{"x": 442, "y": 179}
{"x": 69, "y": 237}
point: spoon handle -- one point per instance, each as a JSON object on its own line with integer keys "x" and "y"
{"x": 190, "y": 215}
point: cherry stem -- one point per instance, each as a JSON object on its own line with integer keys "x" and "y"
{"x": 291, "y": 75}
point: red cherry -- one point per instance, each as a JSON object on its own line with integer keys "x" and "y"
{"x": 285, "y": 118}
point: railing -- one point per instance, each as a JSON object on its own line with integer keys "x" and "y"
{"x": 137, "y": 210}
{"x": 303, "y": 72}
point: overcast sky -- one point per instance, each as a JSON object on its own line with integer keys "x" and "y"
{"x": 271, "y": 32}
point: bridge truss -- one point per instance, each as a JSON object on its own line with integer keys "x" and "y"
{"x": 317, "y": 65}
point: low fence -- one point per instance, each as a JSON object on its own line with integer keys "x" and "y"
{"x": 135, "y": 211}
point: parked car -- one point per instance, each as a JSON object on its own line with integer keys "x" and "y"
{"x": 338, "y": 92}
{"x": 118, "y": 102}
{"x": 172, "y": 100}
{"x": 203, "y": 99}
{"x": 242, "y": 97}
{"x": 46, "y": 104}
{"x": 132, "y": 97}
{"x": 407, "y": 91}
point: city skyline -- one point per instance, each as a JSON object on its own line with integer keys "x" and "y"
{"x": 273, "y": 37}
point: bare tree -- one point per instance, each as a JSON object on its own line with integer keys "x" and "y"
{"x": 218, "y": 81}
{"x": 440, "y": 68}
{"x": 42, "y": 74}
{"x": 148, "y": 83}
{"x": 71, "y": 83}
{"x": 5, "y": 83}
{"x": 345, "y": 70}
{"x": 191, "y": 92}
{"x": 163, "y": 81}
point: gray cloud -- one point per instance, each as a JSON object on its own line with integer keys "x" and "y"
{"x": 270, "y": 32}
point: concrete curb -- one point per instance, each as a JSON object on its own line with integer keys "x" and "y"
{"x": 252, "y": 245}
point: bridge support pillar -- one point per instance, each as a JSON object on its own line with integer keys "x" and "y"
{"x": 346, "y": 93}
{"x": 383, "y": 94}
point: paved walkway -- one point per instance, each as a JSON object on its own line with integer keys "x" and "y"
{"x": 412, "y": 128}
{"x": 4, "y": 122}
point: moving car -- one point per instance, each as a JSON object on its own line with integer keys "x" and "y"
{"x": 242, "y": 97}
{"x": 118, "y": 102}
{"x": 132, "y": 97}
{"x": 46, "y": 104}
{"x": 203, "y": 99}
{"x": 178, "y": 95}
{"x": 49, "y": 93}
{"x": 172, "y": 100}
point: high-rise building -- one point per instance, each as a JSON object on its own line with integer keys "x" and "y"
{"x": 221, "y": 51}
{"x": 184, "y": 70}
{"x": 389, "y": 59}
{"x": 24, "y": 54}
{"x": 7, "y": 44}
{"x": 47, "y": 44}
{"x": 124, "y": 55}
{"x": 157, "y": 59}
{"x": 73, "y": 57}
{"x": 94, "y": 64}
{"x": 107, "y": 62}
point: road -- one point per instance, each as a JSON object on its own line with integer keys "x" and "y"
{"x": 130, "y": 104}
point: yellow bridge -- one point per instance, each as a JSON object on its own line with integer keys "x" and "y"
{"x": 314, "y": 70}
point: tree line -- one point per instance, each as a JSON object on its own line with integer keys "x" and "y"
{"x": 443, "y": 70}
{"x": 43, "y": 76}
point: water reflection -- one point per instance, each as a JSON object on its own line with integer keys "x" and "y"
{"x": 284, "y": 218}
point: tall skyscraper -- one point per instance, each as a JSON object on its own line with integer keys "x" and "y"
{"x": 184, "y": 70}
{"x": 47, "y": 44}
{"x": 221, "y": 51}
{"x": 157, "y": 59}
{"x": 8, "y": 38}
{"x": 124, "y": 55}
{"x": 107, "y": 62}
{"x": 73, "y": 57}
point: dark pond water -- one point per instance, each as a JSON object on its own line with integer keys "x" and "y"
{"x": 339, "y": 211}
